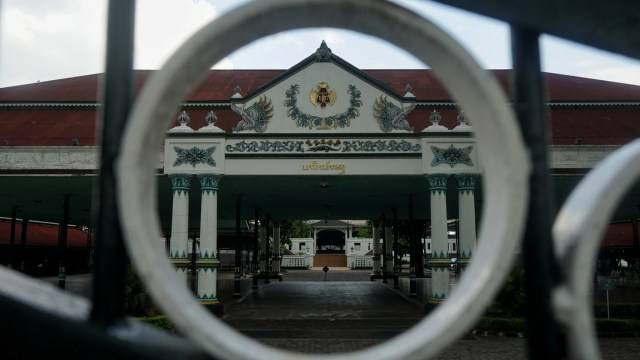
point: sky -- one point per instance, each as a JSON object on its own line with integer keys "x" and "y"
{"x": 52, "y": 39}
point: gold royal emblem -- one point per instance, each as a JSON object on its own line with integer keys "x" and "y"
{"x": 322, "y": 95}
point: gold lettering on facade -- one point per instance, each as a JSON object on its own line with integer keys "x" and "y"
{"x": 324, "y": 166}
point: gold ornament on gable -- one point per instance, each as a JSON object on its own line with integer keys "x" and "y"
{"x": 322, "y": 95}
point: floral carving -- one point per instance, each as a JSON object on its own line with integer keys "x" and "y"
{"x": 311, "y": 121}
{"x": 194, "y": 156}
{"x": 323, "y": 145}
{"x": 451, "y": 156}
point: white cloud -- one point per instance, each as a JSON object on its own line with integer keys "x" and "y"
{"x": 44, "y": 40}
{"x": 224, "y": 64}
{"x": 48, "y": 40}
{"x": 623, "y": 74}
{"x": 163, "y": 25}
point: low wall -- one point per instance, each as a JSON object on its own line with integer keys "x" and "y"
{"x": 296, "y": 261}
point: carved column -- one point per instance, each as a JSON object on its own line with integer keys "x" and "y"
{"x": 180, "y": 183}
{"x": 275, "y": 262}
{"x": 208, "y": 261}
{"x": 439, "y": 237}
{"x": 467, "y": 216}
{"x": 388, "y": 250}
{"x": 377, "y": 231}
{"x": 264, "y": 237}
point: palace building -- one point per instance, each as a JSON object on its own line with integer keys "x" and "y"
{"x": 321, "y": 140}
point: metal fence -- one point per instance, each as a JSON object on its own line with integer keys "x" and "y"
{"x": 41, "y": 321}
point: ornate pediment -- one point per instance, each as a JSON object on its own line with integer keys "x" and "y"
{"x": 322, "y": 94}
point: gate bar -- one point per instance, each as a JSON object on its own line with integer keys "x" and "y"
{"x": 111, "y": 261}
{"x": 541, "y": 269}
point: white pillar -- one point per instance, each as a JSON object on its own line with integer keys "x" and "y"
{"x": 180, "y": 184}
{"x": 388, "y": 251}
{"x": 377, "y": 230}
{"x": 208, "y": 259}
{"x": 467, "y": 216}
{"x": 275, "y": 264}
{"x": 439, "y": 238}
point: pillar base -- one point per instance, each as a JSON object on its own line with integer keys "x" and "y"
{"x": 214, "y": 306}
{"x": 430, "y": 305}
{"x": 389, "y": 275}
{"x": 270, "y": 276}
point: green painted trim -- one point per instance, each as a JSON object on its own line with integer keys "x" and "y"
{"x": 324, "y": 156}
{"x": 180, "y": 183}
{"x": 209, "y": 184}
{"x": 438, "y": 183}
{"x": 466, "y": 182}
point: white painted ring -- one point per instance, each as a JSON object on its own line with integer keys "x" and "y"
{"x": 578, "y": 231}
{"x": 501, "y": 152}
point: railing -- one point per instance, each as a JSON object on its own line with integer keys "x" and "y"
{"x": 360, "y": 261}
{"x": 296, "y": 261}
{"x": 39, "y": 320}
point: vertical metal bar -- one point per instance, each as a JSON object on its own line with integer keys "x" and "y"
{"x": 541, "y": 270}
{"x": 63, "y": 228}
{"x": 12, "y": 235}
{"x": 23, "y": 243}
{"x": 238, "y": 240}
{"x": 111, "y": 258}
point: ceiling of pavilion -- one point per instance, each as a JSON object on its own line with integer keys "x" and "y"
{"x": 293, "y": 197}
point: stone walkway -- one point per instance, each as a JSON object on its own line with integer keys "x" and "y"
{"x": 306, "y": 314}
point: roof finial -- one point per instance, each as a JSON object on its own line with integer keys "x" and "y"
{"x": 237, "y": 92}
{"x": 408, "y": 91}
{"x": 211, "y": 118}
{"x": 183, "y": 118}
{"x": 462, "y": 118}
{"x": 435, "y": 117}
{"x": 323, "y": 53}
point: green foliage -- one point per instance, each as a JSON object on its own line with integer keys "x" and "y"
{"x": 364, "y": 231}
{"x": 617, "y": 326}
{"x": 294, "y": 229}
{"x": 510, "y": 300}
{"x": 137, "y": 300}
{"x": 620, "y": 311}
{"x": 160, "y": 321}
{"x": 517, "y": 325}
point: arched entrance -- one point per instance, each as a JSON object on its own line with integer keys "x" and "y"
{"x": 330, "y": 249}
{"x": 330, "y": 242}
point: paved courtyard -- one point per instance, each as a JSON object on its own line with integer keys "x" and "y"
{"x": 307, "y": 314}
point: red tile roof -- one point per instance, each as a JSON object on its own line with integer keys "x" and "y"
{"x": 619, "y": 235}
{"x": 219, "y": 84}
{"x": 39, "y": 234}
{"x": 569, "y": 125}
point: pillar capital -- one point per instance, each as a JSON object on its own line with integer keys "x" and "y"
{"x": 438, "y": 183}
{"x": 466, "y": 182}
{"x": 209, "y": 183}
{"x": 180, "y": 183}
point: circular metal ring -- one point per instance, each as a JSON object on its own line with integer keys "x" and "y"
{"x": 578, "y": 231}
{"x": 501, "y": 152}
